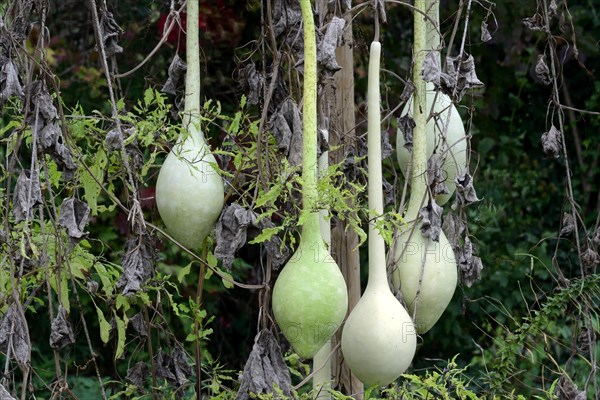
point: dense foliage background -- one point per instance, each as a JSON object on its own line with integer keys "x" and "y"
{"x": 528, "y": 327}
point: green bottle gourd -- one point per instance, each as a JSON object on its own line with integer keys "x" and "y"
{"x": 379, "y": 337}
{"x": 310, "y": 299}
{"x": 189, "y": 191}
{"x": 426, "y": 270}
{"x": 445, "y": 130}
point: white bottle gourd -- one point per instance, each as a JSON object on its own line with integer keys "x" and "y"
{"x": 379, "y": 337}
{"x": 450, "y": 147}
{"x": 426, "y": 271}
{"x": 189, "y": 191}
{"x": 310, "y": 298}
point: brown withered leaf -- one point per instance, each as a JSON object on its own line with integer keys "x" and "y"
{"x": 110, "y": 31}
{"x": 176, "y": 75}
{"x": 327, "y": 46}
{"x": 138, "y": 264}
{"x": 567, "y": 390}
{"x": 74, "y": 215}
{"x": 589, "y": 259}
{"x": 435, "y": 176}
{"x": 139, "y": 324}
{"x": 470, "y": 265}
{"x": 552, "y": 142}
{"x": 4, "y": 394}
{"x": 9, "y": 82}
{"x": 61, "y": 331}
{"x": 431, "y": 220}
{"x": 465, "y": 192}
{"x": 552, "y": 8}
{"x": 265, "y": 369}
{"x": 14, "y": 331}
{"x": 231, "y": 232}
{"x": 138, "y": 374}
{"x": 535, "y": 23}
{"x": 286, "y": 126}
{"x": 461, "y": 75}
{"x": 252, "y": 83}
{"x": 454, "y": 229}
{"x": 542, "y": 72}
{"x": 173, "y": 367}
{"x": 406, "y": 124}
{"x": 27, "y": 195}
{"x": 432, "y": 71}
{"x": 568, "y": 225}
{"x": 485, "y": 32}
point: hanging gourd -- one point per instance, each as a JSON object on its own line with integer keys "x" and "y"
{"x": 426, "y": 269}
{"x": 379, "y": 338}
{"x": 310, "y": 299}
{"x": 445, "y": 130}
{"x": 189, "y": 190}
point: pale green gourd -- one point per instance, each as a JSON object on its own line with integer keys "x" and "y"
{"x": 451, "y": 148}
{"x": 189, "y": 191}
{"x": 426, "y": 271}
{"x": 310, "y": 299}
{"x": 379, "y": 337}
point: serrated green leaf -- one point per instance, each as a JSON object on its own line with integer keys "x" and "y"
{"x": 121, "y": 336}
{"x": 266, "y": 234}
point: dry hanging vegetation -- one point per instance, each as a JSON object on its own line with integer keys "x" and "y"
{"x": 99, "y": 299}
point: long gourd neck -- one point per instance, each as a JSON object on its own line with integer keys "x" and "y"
{"x": 377, "y": 269}
{"x": 191, "y": 111}
{"x": 418, "y": 180}
{"x": 309, "y": 112}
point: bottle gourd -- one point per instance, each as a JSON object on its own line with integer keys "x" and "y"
{"x": 310, "y": 299}
{"x": 426, "y": 270}
{"x": 189, "y": 191}
{"x": 379, "y": 337}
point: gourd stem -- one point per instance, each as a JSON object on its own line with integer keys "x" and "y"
{"x": 309, "y": 119}
{"x": 433, "y": 25}
{"x": 191, "y": 110}
{"x": 377, "y": 269}
{"x": 418, "y": 177}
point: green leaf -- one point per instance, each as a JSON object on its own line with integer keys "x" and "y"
{"x": 183, "y": 272}
{"x": 148, "y": 96}
{"x": 266, "y": 234}
{"x": 90, "y": 178}
{"x": 104, "y": 326}
{"x": 121, "y": 330}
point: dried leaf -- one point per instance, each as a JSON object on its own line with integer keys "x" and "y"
{"x": 9, "y": 82}
{"x": 176, "y": 75}
{"x": 231, "y": 232}
{"x": 174, "y": 367}
{"x": 74, "y": 215}
{"x": 406, "y": 124}
{"x": 454, "y": 228}
{"x": 541, "y": 70}
{"x": 431, "y": 223}
{"x": 432, "y": 71}
{"x": 110, "y": 33}
{"x": 139, "y": 324}
{"x": 327, "y": 46}
{"x": 386, "y": 147}
{"x": 287, "y": 16}
{"x": 113, "y": 140}
{"x": 381, "y": 14}
{"x": 435, "y": 176}
{"x": 552, "y": 142}
{"x": 138, "y": 374}
{"x": 596, "y": 238}
{"x": 470, "y": 265}
{"x": 568, "y": 225}
{"x": 567, "y": 390}
{"x": 286, "y": 126}
{"x": 461, "y": 76}
{"x": 389, "y": 193}
{"x": 552, "y": 8}
{"x": 265, "y": 369}
{"x": 61, "y": 332}
{"x": 27, "y": 195}
{"x": 138, "y": 264}
{"x": 43, "y": 118}
{"x": 589, "y": 259}
{"x": 15, "y": 332}
{"x": 4, "y": 394}
{"x": 586, "y": 341}
{"x": 485, "y": 33}
{"x": 535, "y": 23}
{"x": 252, "y": 83}
{"x": 279, "y": 252}
{"x": 465, "y": 192}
